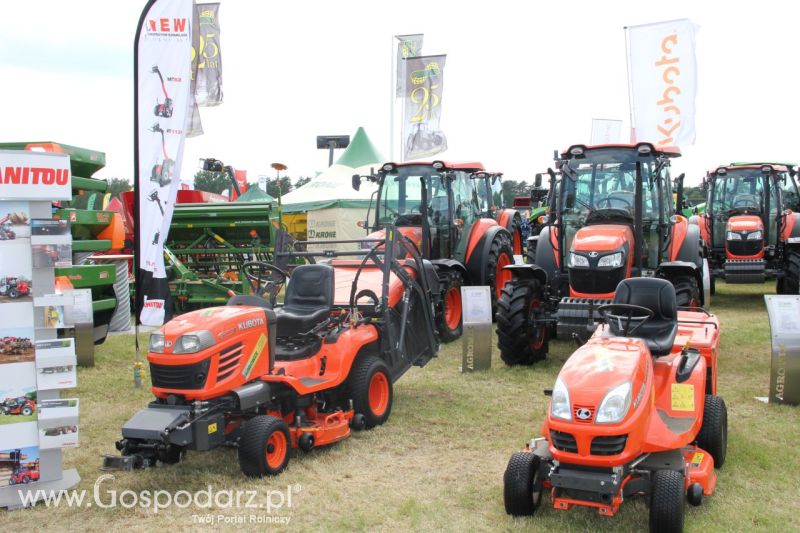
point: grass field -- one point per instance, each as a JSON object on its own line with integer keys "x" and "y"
{"x": 438, "y": 463}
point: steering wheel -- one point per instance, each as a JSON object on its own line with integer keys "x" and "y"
{"x": 608, "y": 198}
{"x": 744, "y": 200}
{"x": 265, "y": 278}
{"x": 627, "y": 312}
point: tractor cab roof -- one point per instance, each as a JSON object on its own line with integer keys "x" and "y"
{"x": 472, "y": 166}
{"x": 643, "y": 147}
{"x": 778, "y": 167}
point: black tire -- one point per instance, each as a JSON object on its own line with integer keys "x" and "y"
{"x": 522, "y": 484}
{"x": 713, "y": 436}
{"x": 515, "y": 229}
{"x": 667, "y": 502}
{"x": 359, "y": 383}
{"x": 453, "y": 288}
{"x": 790, "y": 283}
{"x": 522, "y": 338}
{"x": 13, "y": 293}
{"x": 687, "y": 291}
{"x": 501, "y": 245}
{"x": 26, "y": 411}
{"x": 255, "y": 446}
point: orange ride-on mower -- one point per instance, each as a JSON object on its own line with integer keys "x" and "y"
{"x": 611, "y": 217}
{"x": 443, "y": 209}
{"x": 634, "y": 412}
{"x": 268, "y": 378}
{"x": 749, "y": 227}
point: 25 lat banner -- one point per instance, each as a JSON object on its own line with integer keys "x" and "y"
{"x": 663, "y": 78}
{"x": 422, "y": 134}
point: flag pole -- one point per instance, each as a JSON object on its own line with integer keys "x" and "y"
{"x": 630, "y": 91}
{"x": 392, "y": 96}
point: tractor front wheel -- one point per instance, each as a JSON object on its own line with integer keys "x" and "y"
{"x": 522, "y": 484}
{"x": 13, "y": 293}
{"x": 522, "y": 335}
{"x": 370, "y": 387}
{"x": 713, "y": 436}
{"x": 667, "y": 502}
{"x": 500, "y": 255}
{"x": 265, "y": 445}
{"x": 450, "y": 320}
{"x": 687, "y": 291}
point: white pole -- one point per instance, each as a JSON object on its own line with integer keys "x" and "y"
{"x": 630, "y": 84}
{"x": 392, "y": 96}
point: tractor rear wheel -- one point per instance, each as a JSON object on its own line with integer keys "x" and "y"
{"x": 370, "y": 387}
{"x": 265, "y": 445}
{"x": 713, "y": 436}
{"x": 522, "y": 335}
{"x": 515, "y": 229}
{"x": 687, "y": 291}
{"x": 500, "y": 255}
{"x": 790, "y": 283}
{"x": 450, "y": 320}
{"x": 667, "y": 502}
{"x": 26, "y": 411}
{"x": 522, "y": 484}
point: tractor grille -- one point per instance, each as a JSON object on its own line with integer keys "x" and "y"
{"x": 594, "y": 280}
{"x": 608, "y": 445}
{"x": 564, "y": 441}
{"x": 746, "y": 248}
{"x": 180, "y": 377}
{"x": 582, "y": 413}
{"x": 229, "y": 361}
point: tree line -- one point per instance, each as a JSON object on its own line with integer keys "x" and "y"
{"x": 217, "y": 182}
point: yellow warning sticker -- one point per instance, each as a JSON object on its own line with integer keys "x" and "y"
{"x": 212, "y": 428}
{"x": 697, "y": 458}
{"x": 682, "y": 397}
{"x": 262, "y": 341}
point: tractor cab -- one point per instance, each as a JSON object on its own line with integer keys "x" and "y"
{"x": 748, "y": 219}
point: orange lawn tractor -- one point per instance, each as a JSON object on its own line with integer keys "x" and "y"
{"x": 444, "y": 209}
{"x": 611, "y": 217}
{"x": 634, "y": 412}
{"x": 270, "y": 378}
{"x": 749, "y": 227}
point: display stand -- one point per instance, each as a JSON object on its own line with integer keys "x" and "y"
{"x": 784, "y": 323}
{"x": 476, "y": 347}
{"x": 34, "y": 364}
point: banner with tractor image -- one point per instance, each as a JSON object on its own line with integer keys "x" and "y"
{"x": 422, "y": 135}
{"x": 163, "y": 81}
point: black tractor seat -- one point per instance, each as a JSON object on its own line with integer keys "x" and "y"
{"x": 655, "y": 294}
{"x": 308, "y": 300}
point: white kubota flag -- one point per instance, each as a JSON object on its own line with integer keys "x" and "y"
{"x": 663, "y": 82}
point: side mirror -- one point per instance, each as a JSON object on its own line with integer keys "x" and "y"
{"x": 537, "y": 180}
{"x": 356, "y": 182}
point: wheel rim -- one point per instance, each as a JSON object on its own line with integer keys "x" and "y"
{"x": 276, "y": 449}
{"x": 517, "y": 243}
{"x": 378, "y": 393}
{"x": 452, "y": 308}
{"x": 537, "y": 332}
{"x": 501, "y": 275}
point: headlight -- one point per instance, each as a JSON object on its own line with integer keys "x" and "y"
{"x": 576, "y": 260}
{"x": 559, "y": 407}
{"x": 193, "y": 342}
{"x": 732, "y": 236}
{"x": 615, "y": 405}
{"x": 157, "y": 342}
{"x": 611, "y": 260}
{"x": 754, "y": 236}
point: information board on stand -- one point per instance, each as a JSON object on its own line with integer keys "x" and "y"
{"x": 476, "y": 347}
{"x": 784, "y": 324}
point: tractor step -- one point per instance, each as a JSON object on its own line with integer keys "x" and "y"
{"x": 576, "y": 316}
{"x": 745, "y": 271}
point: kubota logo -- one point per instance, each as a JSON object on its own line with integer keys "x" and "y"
{"x": 669, "y": 75}
{"x": 583, "y": 413}
{"x": 34, "y": 176}
{"x": 251, "y": 323}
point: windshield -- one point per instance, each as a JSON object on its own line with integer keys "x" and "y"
{"x": 739, "y": 188}
{"x": 401, "y": 195}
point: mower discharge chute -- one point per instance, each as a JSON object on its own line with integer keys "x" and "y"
{"x": 163, "y": 110}
{"x": 634, "y": 411}
{"x": 162, "y": 172}
{"x": 445, "y": 210}
{"x": 611, "y": 217}
{"x": 749, "y": 227}
{"x": 269, "y": 378}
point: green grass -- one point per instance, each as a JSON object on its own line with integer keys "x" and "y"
{"x": 438, "y": 463}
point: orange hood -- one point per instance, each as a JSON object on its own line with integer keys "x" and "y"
{"x": 602, "y": 238}
{"x": 745, "y": 223}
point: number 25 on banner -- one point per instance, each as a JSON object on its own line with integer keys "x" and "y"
{"x": 426, "y": 101}
{"x": 207, "y": 42}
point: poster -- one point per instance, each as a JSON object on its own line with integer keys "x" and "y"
{"x": 16, "y": 271}
{"x": 19, "y": 466}
{"x": 58, "y": 424}
{"x": 56, "y": 364}
{"x": 16, "y": 345}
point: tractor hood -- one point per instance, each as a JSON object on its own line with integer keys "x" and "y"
{"x": 601, "y": 365}
{"x": 745, "y": 223}
{"x": 412, "y": 233}
{"x": 602, "y": 238}
{"x": 222, "y": 322}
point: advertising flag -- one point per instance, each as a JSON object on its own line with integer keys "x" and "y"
{"x": 162, "y": 66}
{"x": 663, "y": 82}
{"x": 407, "y": 46}
{"x": 208, "y": 55}
{"x": 606, "y": 131}
{"x": 424, "y": 82}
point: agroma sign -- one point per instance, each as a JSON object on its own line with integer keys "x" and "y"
{"x": 28, "y": 175}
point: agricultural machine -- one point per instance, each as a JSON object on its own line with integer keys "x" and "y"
{"x": 6, "y": 233}
{"x": 164, "y": 109}
{"x": 749, "y": 227}
{"x": 14, "y": 287}
{"x": 611, "y": 218}
{"x": 162, "y": 172}
{"x": 15, "y": 345}
{"x": 534, "y": 216}
{"x": 269, "y": 378}
{"x": 21, "y": 405}
{"x": 634, "y": 412}
{"x": 438, "y": 207}
{"x": 60, "y": 430}
{"x": 24, "y": 476}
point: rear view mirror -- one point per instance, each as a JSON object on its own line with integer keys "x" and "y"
{"x": 537, "y": 181}
{"x": 356, "y": 182}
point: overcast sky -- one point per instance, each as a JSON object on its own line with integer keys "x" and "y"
{"x": 522, "y": 78}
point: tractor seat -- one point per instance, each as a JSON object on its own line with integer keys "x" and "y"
{"x": 308, "y": 300}
{"x": 655, "y": 294}
{"x": 249, "y": 300}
